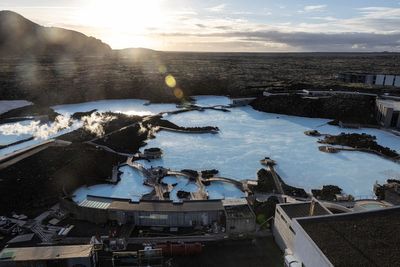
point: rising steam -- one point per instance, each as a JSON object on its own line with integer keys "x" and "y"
{"x": 36, "y": 129}
{"x": 93, "y": 123}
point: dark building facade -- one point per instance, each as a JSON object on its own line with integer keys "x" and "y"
{"x": 371, "y": 79}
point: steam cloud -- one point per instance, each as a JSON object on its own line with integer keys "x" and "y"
{"x": 37, "y": 130}
{"x": 93, "y": 123}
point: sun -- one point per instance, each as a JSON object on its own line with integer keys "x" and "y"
{"x": 123, "y": 21}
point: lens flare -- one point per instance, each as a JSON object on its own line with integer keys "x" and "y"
{"x": 178, "y": 93}
{"x": 170, "y": 81}
{"x": 162, "y": 69}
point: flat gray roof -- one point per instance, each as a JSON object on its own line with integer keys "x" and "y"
{"x": 359, "y": 238}
{"x": 298, "y": 210}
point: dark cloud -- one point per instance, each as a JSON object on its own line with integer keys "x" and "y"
{"x": 223, "y": 28}
{"x": 323, "y": 40}
{"x": 316, "y": 41}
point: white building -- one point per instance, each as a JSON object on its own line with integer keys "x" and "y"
{"x": 283, "y": 222}
{"x": 368, "y": 238}
{"x": 388, "y": 113}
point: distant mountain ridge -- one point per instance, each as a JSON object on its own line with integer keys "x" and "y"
{"x": 20, "y": 36}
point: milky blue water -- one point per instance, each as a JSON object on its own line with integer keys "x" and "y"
{"x": 130, "y": 187}
{"x": 246, "y": 136}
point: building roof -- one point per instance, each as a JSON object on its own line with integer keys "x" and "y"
{"x": 167, "y": 206}
{"x": 96, "y": 203}
{"x": 234, "y": 202}
{"x": 242, "y": 211}
{"x": 389, "y": 103}
{"x": 237, "y": 208}
{"x": 21, "y": 238}
{"x": 302, "y": 209}
{"x": 357, "y": 239}
{"x": 45, "y": 253}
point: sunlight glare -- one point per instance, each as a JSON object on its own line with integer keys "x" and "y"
{"x": 123, "y": 18}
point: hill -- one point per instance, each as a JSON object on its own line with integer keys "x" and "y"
{"x": 136, "y": 51}
{"x": 20, "y": 36}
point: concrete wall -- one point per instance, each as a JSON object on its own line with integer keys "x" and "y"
{"x": 369, "y": 79}
{"x": 397, "y": 81}
{"x": 283, "y": 234}
{"x": 384, "y": 115}
{"x": 142, "y": 218}
{"x": 175, "y": 219}
{"x": 389, "y": 80}
{"x": 380, "y": 79}
{"x": 306, "y": 250}
{"x": 388, "y": 117}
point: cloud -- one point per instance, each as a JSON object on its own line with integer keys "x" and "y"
{"x": 200, "y": 25}
{"x": 218, "y": 8}
{"x": 313, "y": 8}
{"x": 306, "y": 41}
{"x": 225, "y": 28}
{"x": 329, "y": 41}
{"x": 369, "y": 28}
{"x": 374, "y": 19}
{"x": 327, "y": 18}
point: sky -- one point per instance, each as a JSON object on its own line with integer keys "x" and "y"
{"x": 229, "y": 26}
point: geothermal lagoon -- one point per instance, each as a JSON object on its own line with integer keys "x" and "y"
{"x": 246, "y": 136}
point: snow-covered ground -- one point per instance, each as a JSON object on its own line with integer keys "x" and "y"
{"x": 7, "y": 105}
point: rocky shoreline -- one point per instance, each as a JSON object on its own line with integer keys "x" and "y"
{"x": 266, "y": 184}
{"x": 26, "y": 112}
{"x": 361, "y": 142}
{"x": 44, "y": 177}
